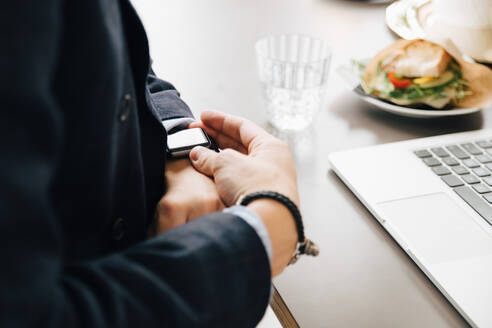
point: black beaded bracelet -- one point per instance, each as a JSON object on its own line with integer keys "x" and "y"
{"x": 304, "y": 245}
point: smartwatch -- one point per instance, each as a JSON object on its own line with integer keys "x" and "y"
{"x": 179, "y": 144}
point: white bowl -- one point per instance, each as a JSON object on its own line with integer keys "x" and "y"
{"x": 411, "y": 19}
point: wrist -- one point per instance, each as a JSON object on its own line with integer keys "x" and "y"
{"x": 176, "y": 165}
{"x": 281, "y": 228}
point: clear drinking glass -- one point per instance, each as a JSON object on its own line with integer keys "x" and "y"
{"x": 293, "y": 71}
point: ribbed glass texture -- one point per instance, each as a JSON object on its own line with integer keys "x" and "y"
{"x": 293, "y": 71}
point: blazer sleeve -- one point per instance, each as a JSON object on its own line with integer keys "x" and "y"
{"x": 165, "y": 100}
{"x": 212, "y": 272}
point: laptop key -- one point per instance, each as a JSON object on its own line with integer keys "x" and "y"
{"x": 422, "y": 153}
{"x": 470, "y": 178}
{"x": 483, "y": 158}
{"x": 458, "y": 152}
{"x": 488, "y": 198}
{"x": 471, "y": 163}
{"x": 452, "y": 180}
{"x": 431, "y": 161}
{"x": 439, "y": 152}
{"x": 476, "y": 202}
{"x": 488, "y": 180}
{"x": 489, "y": 166}
{"x": 441, "y": 170}
{"x": 480, "y": 171}
{"x": 451, "y": 161}
{"x": 484, "y": 144}
{"x": 471, "y": 148}
{"x": 481, "y": 188}
{"x": 460, "y": 170}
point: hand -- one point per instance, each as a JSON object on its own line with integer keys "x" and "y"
{"x": 251, "y": 160}
{"x": 189, "y": 196}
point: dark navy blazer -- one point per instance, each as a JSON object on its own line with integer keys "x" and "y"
{"x": 81, "y": 171}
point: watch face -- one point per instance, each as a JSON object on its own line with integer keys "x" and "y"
{"x": 187, "y": 139}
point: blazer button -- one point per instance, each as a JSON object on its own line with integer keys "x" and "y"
{"x": 118, "y": 229}
{"x": 126, "y": 105}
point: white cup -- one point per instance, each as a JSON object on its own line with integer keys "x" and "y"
{"x": 468, "y": 23}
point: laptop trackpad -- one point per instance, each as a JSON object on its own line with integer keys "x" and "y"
{"x": 436, "y": 228}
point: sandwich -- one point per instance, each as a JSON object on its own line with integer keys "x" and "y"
{"x": 417, "y": 71}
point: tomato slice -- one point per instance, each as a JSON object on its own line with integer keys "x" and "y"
{"x": 398, "y": 83}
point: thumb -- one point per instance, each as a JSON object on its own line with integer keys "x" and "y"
{"x": 203, "y": 159}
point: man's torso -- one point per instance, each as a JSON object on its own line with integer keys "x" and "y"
{"x": 99, "y": 192}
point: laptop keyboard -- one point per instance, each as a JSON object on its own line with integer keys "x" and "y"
{"x": 467, "y": 169}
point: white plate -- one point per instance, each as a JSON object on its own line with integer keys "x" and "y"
{"x": 417, "y": 113}
{"x": 401, "y": 18}
{"x": 350, "y": 76}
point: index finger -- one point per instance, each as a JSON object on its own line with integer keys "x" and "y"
{"x": 222, "y": 140}
{"x": 237, "y": 128}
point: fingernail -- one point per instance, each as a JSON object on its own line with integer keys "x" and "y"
{"x": 195, "y": 153}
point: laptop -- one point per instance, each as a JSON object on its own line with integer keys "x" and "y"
{"x": 434, "y": 197}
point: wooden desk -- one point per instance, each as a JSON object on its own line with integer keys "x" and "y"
{"x": 362, "y": 278}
